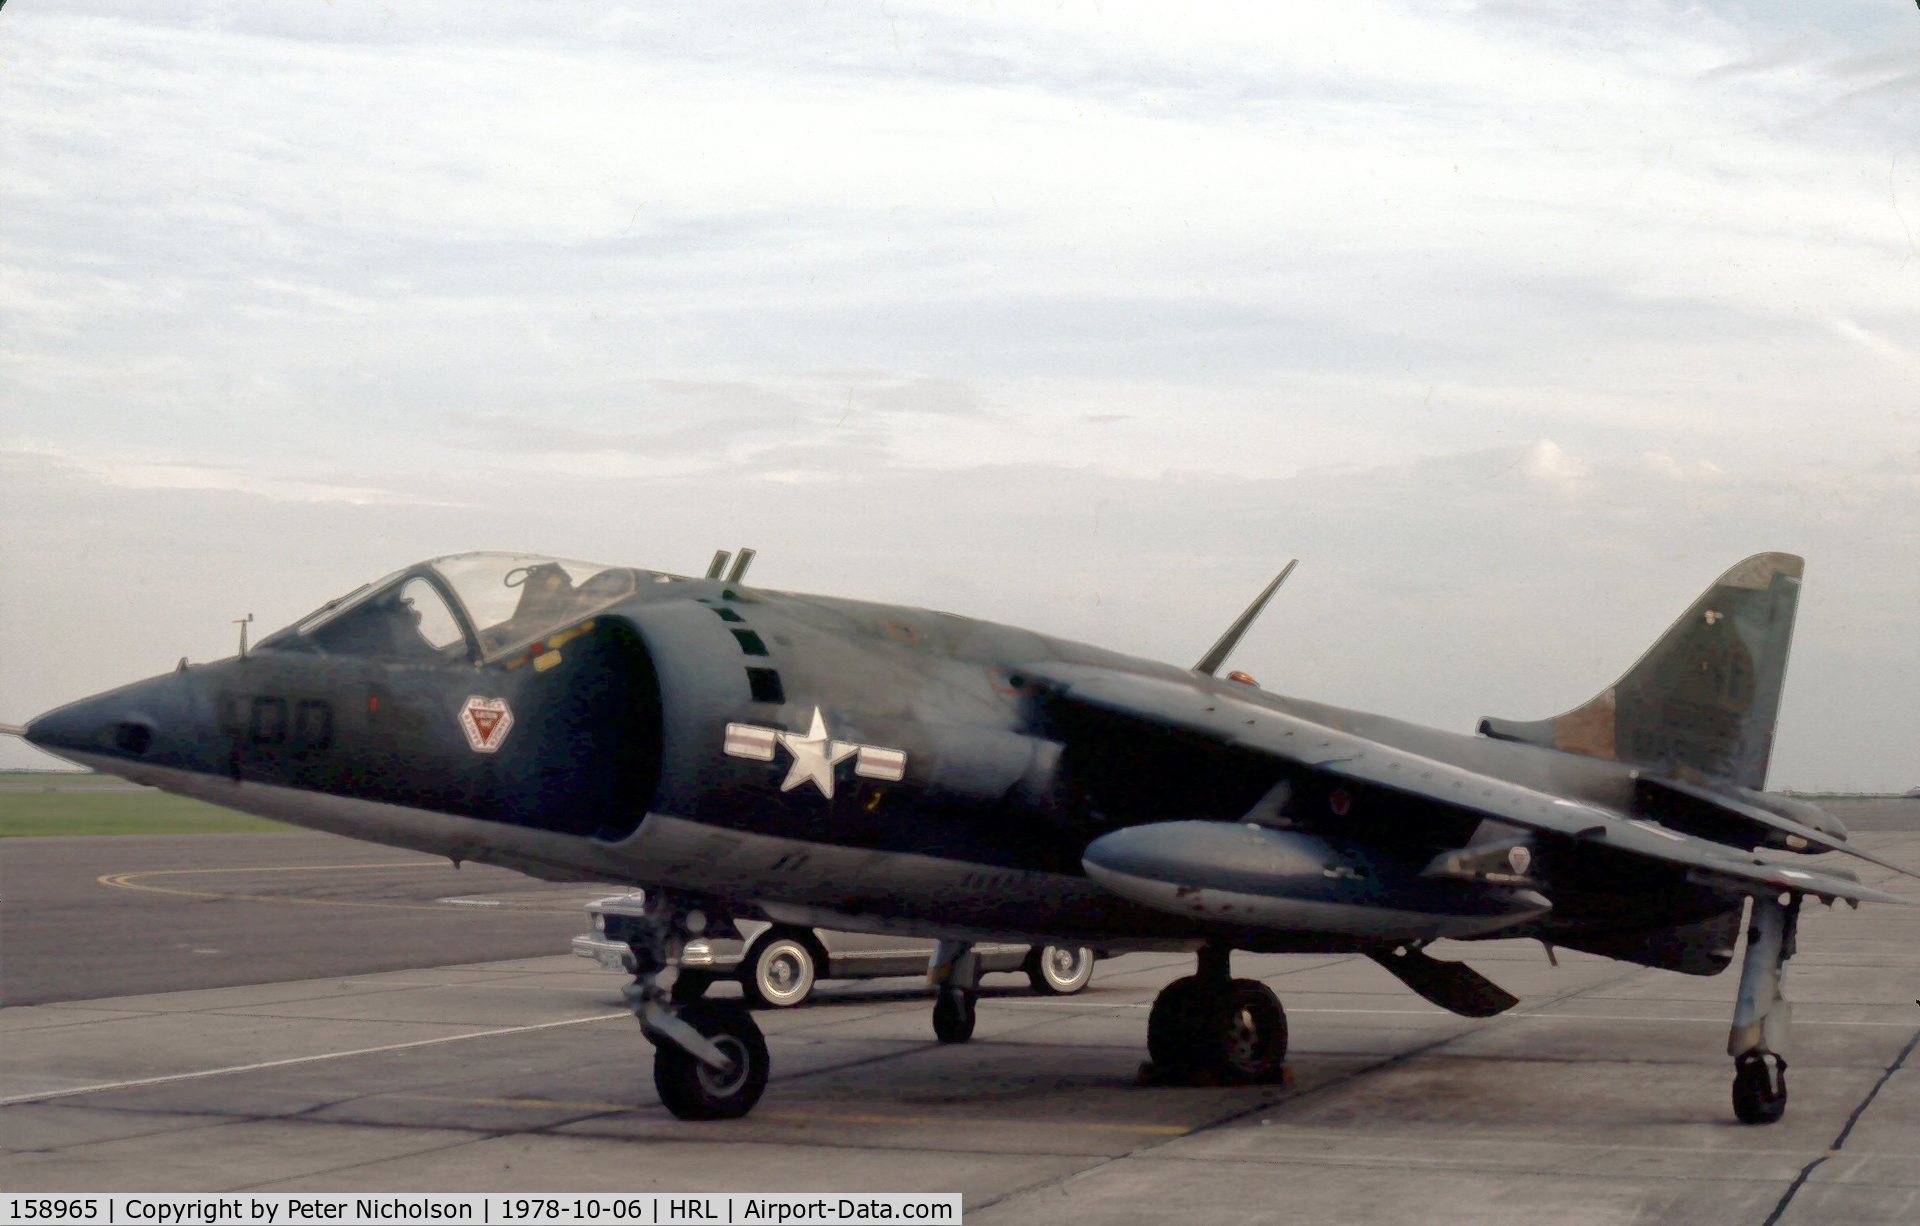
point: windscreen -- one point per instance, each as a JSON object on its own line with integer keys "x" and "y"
{"x": 510, "y": 600}
{"x": 404, "y": 618}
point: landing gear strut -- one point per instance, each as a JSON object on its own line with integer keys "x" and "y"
{"x": 710, "y": 1061}
{"x": 1212, "y": 1029}
{"x": 1762, "y": 1017}
{"x": 954, "y": 972}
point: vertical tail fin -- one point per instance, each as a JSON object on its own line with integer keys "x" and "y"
{"x": 1702, "y": 702}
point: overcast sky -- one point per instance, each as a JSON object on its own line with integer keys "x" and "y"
{"x": 1517, "y": 322}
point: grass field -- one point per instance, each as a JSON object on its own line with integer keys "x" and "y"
{"x": 41, "y": 781}
{"x": 69, "y": 805}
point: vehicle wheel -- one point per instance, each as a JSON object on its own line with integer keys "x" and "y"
{"x": 778, "y": 971}
{"x": 1759, "y": 1088}
{"x": 1059, "y": 970}
{"x": 690, "y": 1089}
{"x": 691, "y": 986}
{"x": 953, "y": 1015}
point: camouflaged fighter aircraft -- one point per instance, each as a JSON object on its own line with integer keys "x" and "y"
{"x": 812, "y": 761}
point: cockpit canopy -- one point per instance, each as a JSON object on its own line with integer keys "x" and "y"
{"x": 465, "y": 605}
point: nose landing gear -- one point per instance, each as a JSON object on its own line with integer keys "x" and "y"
{"x": 1212, "y": 1029}
{"x": 710, "y": 1061}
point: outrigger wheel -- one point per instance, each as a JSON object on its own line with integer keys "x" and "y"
{"x": 1759, "y": 1087}
{"x": 954, "y": 970}
{"x": 953, "y": 1014}
{"x": 1761, "y": 1015}
{"x": 692, "y": 1090}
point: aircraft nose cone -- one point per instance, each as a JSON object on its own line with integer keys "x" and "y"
{"x": 118, "y": 729}
{"x": 95, "y": 726}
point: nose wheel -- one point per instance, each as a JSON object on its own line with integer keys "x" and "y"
{"x": 692, "y": 1089}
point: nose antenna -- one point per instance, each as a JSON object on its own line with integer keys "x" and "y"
{"x": 242, "y": 623}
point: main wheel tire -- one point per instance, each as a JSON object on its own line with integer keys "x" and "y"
{"x": 1059, "y": 970}
{"x": 1254, "y": 1047}
{"x": 1237, "y": 1035}
{"x": 690, "y": 1089}
{"x": 1177, "y": 1025}
{"x": 953, "y": 1015}
{"x": 1759, "y": 1088}
{"x": 779, "y": 971}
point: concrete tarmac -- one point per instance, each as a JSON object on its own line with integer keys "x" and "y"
{"x": 82, "y": 918}
{"x": 1603, "y": 1098}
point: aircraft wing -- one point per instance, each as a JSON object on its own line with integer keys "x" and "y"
{"x": 1231, "y": 720}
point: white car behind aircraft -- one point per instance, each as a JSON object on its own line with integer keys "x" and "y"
{"x": 778, "y": 965}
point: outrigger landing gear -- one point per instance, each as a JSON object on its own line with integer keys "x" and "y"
{"x": 709, "y": 1061}
{"x": 1212, "y": 1029}
{"x": 1762, "y": 1016}
{"x": 954, "y": 972}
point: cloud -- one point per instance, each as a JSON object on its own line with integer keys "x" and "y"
{"x": 1874, "y": 343}
{"x": 134, "y": 474}
{"x": 1694, "y": 472}
{"x": 1067, "y": 315}
{"x": 1549, "y": 467}
{"x": 1438, "y": 590}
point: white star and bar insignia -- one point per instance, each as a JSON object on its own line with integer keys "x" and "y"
{"x": 815, "y": 754}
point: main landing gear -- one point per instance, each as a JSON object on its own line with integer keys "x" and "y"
{"x": 1762, "y": 1016}
{"x": 1212, "y": 1029}
{"x": 709, "y": 1061}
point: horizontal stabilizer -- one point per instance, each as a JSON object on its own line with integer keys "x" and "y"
{"x": 1454, "y": 986}
{"x": 1759, "y": 877}
{"x": 1805, "y": 838}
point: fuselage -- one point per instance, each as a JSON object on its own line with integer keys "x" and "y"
{"x": 806, "y": 758}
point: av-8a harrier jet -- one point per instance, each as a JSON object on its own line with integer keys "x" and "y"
{"x": 745, "y": 753}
